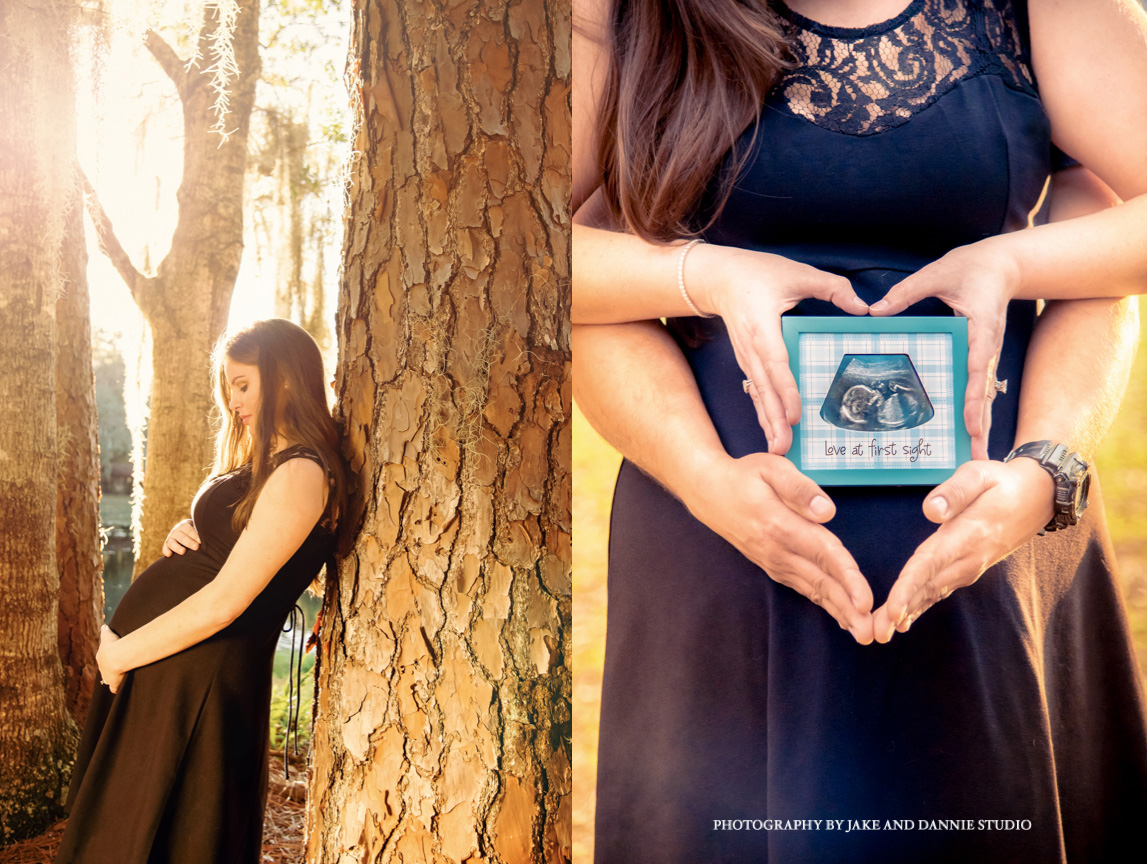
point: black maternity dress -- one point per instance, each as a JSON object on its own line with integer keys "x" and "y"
{"x": 172, "y": 769}
{"x": 730, "y": 697}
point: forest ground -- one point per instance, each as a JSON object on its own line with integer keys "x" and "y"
{"x": 283, "y": 824}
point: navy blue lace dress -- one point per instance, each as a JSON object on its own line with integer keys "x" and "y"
{"x": 172, "y": 769}
{"x": 730, "y": 700}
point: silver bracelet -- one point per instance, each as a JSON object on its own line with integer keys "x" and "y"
{"x": 681, "y": 278}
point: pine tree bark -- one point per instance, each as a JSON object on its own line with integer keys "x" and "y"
{"x": 37, "y": 142}
{"x": 186, "y": 302}
{"x": 443, "y": 708}
{"x": 78, "y": 554}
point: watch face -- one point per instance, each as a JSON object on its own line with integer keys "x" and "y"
{"x": 1081, "y": 491}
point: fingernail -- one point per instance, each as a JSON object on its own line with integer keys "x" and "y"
{"x": 941, "y": 505}
{"x": 820, "y": 507}
{"x": 857, "y": 303}
{"x": 879, "y": 306}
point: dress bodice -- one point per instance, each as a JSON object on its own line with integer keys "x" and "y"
{"x": 184, "y": 574}
{"x": 866, "y": 80}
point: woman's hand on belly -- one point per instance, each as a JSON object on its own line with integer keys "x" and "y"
{"x": 621, "y": 279}
{"x": 181, "y": 538}
{"x": 750, "y": 290}
{"x": 978, "y": 280}
{"x": 771, "y": 513}
{"x": 986, "y": 511}
{"x": 111, "y": 672}
{"x": 977, "y": 283}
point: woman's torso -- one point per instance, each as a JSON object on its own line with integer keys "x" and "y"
{"x": 881, "y": 149}
{"x": 169, "y": 580}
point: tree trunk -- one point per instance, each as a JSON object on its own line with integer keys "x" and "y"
{"x": 187, "y": 302}
{"x": 78, "y": 554}
{"x": 443, "y": 710}
{"x": 37, "y": 141}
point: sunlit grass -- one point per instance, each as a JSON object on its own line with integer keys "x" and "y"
{"x": 280, "y": 720}
{"x": 1122, "y": 463}
{"x": 595, "y": 469}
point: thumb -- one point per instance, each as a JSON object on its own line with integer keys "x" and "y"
{"x": 953, "y": 496}
{"x": 800, "y": 494}
{"x": 838, "y": 290}
{"x": 903, "y": 294}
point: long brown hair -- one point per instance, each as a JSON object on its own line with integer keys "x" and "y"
{"x": 686, "y": 78}
{"x": 287, "y": 357}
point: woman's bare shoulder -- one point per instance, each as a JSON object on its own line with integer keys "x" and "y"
{"x": 296, "y": 479}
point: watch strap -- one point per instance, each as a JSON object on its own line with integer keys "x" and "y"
{"x": 1058, "y": 461}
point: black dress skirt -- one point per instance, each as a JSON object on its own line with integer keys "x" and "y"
{"x": 1008, "y": 724}
{"x": 172, "y": 769}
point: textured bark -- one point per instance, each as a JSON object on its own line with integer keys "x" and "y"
{"x": 78, "y": 556}
{"x": 187, "y": 301}
{"x": 37, "y": 138}
{"x": 443, "y": 710}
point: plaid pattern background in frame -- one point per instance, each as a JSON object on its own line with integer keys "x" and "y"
{"x": 931, "y": 354}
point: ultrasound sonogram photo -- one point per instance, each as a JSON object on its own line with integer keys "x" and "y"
{"x": 876, "y": 393}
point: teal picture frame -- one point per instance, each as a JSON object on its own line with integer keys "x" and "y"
{"x": 934, "y": 449}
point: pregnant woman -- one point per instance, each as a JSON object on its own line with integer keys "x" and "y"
{"x": 835, "y": 155}
{"x": 173, "y": 760}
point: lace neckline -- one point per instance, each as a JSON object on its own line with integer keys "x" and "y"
{"x": 877, "y": 78}
{"x": 834, "y": 32}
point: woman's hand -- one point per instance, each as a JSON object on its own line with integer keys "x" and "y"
{"x": 181, "y": 538}
{"x": 986, "y": 511}
{"x": 750, "y": 290}
{"x": 111, "y": 673}
{"x": 977, "y": 281}
{"x": 771, "y": 513}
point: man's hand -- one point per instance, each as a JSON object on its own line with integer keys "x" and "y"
{"x": 986, "y": 511}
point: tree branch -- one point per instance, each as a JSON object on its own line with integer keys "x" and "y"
{"x": 109, "y": 244}
{"x": 165, "y": 55}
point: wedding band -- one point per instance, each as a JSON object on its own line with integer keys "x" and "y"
{"x": 1000, "y": 386}
{"x": 746, "y": 384}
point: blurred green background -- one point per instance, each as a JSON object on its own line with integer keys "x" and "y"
{"x": 1122, "y": 464}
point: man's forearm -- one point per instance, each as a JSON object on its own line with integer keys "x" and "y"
{"x": 1078, "y": 364}
{"x": 1080, "y": 356}
{"x": 635, "y": 388}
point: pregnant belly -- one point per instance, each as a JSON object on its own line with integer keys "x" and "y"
{"x": 162, "y": 586}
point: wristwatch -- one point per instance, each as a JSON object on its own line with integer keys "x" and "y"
{"x": 1071, "y": 476}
